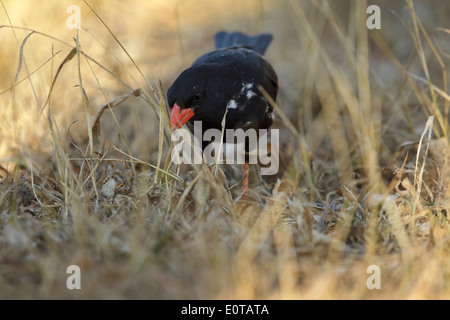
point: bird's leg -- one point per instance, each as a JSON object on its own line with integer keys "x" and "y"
{"x": 246, "y": 172}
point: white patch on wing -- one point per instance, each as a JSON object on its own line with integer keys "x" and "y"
{"x": 232, "y": 104}
{"x": 270, "y": 112}
{"x": 250, "y": 94}
{"x": 247, "y": 86}
{"x": 247, "y": 90}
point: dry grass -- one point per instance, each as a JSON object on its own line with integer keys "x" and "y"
{"x": 85, "y": 176}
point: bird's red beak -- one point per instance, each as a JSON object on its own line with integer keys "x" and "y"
{"x": 179, "y": 117}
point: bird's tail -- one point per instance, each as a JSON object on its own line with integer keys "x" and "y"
{"x": 258, "y": 43}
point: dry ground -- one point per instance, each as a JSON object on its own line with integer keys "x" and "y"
{"x": 86, "y": 178}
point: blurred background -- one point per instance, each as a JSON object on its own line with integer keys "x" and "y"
{"x": 165, "y": 37}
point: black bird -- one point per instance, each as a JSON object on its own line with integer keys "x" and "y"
{"x": 227, "y": 79}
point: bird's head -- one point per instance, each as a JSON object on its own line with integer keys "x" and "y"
{"x": 187, "y": 96}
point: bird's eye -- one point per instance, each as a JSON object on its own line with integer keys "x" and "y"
{"x": 197, "y": 97}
